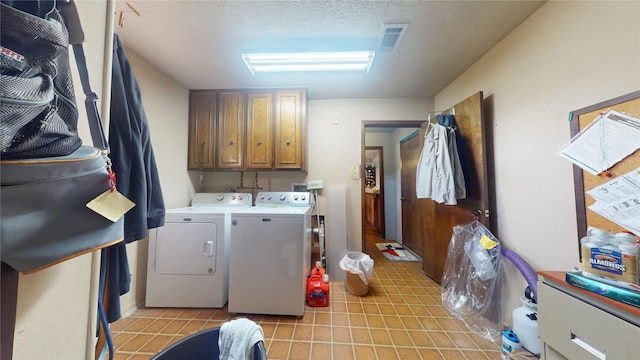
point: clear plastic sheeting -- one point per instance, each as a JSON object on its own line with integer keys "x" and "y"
{"x": 472, "y": 280}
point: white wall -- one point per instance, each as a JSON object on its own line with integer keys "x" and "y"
{"x": 166, "y": 104}
{"x": 55, "y": 315}
{"x": 334, "y": 149}
{"x": 568, "y": 55}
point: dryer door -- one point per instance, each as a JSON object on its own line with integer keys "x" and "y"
{"x": 186, "y": 249}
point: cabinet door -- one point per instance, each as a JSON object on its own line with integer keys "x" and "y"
{"x": 259, "y": 131}
{"x": 290, "y": 125}
{"x": 202, "y": 130}
{"x": 230, "y": 130}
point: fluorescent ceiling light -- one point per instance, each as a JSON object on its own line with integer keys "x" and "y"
{"x": 312, "y": 61}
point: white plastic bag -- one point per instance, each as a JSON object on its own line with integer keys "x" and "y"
{"x": 358, "y": 263}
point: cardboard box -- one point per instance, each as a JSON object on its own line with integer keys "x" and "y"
{"x": 612, "y": 263}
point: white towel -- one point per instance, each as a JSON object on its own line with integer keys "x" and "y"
{"x": 237, "y": 339}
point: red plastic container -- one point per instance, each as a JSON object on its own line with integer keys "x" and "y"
{"x": 317, "y": 288}
{"x": 317, "y": 270}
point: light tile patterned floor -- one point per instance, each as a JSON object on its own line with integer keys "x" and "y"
{"x": 400, "y": 318}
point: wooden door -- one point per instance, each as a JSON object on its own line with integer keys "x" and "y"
{"x": 259, "y": 131}
{"x": 439, "y": 219}
{"x": 290, "y": 145}
{"x": 202, "y": 130}
{"x": 416, "y": 213}
{"x": 231, "y": 130}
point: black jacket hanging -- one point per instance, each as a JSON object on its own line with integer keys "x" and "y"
{"x": 131, "y": 150}
{"x": 136, "y": 175}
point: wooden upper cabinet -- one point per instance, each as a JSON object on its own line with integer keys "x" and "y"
{"x": 230, "y": 130}
{"x": 290, "y": 130}
{"x": 202, "y": 130}
{"x": 259, "y": 131}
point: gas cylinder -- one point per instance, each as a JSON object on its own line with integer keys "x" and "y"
{"x": 318, "y": 287}
{"x": 525, "y": 324}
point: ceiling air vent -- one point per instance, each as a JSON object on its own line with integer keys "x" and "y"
{"x": 390, "y": 37}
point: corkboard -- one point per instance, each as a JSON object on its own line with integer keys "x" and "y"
{"x": 584, "y": 181}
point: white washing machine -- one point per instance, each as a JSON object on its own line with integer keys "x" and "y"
{"x": 188, "y": 263}
{"x": 270, "y": 255}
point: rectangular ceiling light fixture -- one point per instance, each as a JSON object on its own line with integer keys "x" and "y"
{"x": 311, "y": 61}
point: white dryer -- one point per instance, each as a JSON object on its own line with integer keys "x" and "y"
{"x": 188, "y": 258}
{"x": 270, "y": 255}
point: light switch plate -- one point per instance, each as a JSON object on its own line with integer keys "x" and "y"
{"x": 355, "y": 172}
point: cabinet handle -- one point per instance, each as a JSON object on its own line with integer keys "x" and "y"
{"x": 593, "y": 349}
{"x": 259, "y": 142}
{"x": 288, "y": 142}
{"x": 231, "y": 142}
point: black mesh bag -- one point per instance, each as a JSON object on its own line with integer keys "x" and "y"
{"x": 38, "y": 112}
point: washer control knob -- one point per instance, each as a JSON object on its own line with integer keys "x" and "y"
{"x": 220, "y": 197}
{"x": 303, "y": 197}
{"x": 295, "y": 197}
{"x": 283, "y": 197}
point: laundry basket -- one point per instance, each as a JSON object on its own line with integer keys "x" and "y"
{"x": 202, "y": 345}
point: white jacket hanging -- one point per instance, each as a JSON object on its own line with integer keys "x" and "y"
{"x": 434, "y": 173}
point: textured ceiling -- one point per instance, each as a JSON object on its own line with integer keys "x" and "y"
{"x": 199, "y": 43}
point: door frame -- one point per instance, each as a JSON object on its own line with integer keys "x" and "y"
{"x": 376, "y": 124}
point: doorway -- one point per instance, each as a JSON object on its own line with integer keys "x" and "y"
{"x": 434, "y": 222}
{"x": 385, "y": 134}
